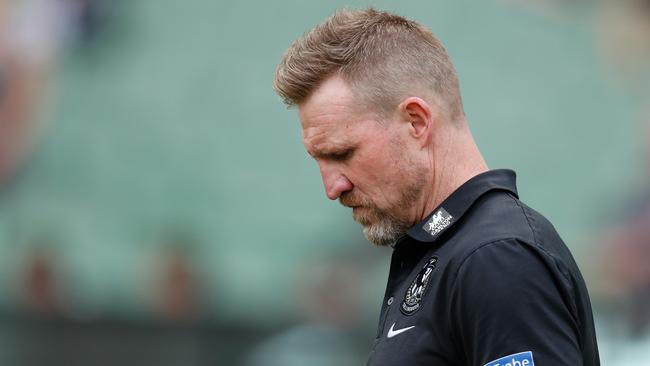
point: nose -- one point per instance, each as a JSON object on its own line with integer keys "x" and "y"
{"x": 335, "y": 182}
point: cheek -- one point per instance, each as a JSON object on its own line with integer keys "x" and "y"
{"x": 378, "y": 173}
{"x": 377, "y": 166}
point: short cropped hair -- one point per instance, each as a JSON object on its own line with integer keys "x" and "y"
{"x": 382, "y": 56}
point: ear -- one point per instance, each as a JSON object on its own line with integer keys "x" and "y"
{"x": 420, "y": 117}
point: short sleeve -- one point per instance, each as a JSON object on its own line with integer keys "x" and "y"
{"x": 509, "y": 298}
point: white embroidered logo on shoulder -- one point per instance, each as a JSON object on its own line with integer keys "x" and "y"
{"x": 438, "y": 222}
{"x": 515, "y": 359}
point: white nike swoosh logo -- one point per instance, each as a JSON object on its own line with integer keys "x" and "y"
{"x": 392, "y": 332}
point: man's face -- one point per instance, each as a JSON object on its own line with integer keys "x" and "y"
{"x": 365, "y": 162}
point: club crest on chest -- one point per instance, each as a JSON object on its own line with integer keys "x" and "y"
{"x": 415, "y": 292}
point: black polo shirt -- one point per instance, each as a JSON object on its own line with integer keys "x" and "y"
{"x": 484, "y": 280}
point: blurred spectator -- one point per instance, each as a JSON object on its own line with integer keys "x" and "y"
{"x": 624, "y": 273}
{"x": 39, "y": 285}
{"x": 624, "y": 263}
{"x": 329, "y": 303}
{"x": 33, "y": 34}
{"x": 176, "y": 287}
{"x": 624, "y": 30}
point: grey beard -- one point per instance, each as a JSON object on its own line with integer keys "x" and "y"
{"x": 384, "y": 233}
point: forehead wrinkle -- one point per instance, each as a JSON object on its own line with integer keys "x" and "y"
{"x": 325, "y": 125}
{"x": 325, "y": 116}
{"x": 322, "y": 141}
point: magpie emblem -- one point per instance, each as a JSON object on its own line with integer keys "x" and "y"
{"x": 415, "y": 291}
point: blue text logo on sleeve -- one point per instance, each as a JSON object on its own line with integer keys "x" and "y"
{"x": 516, "y": 359}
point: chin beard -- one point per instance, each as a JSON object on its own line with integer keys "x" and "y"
{"x": 380, "y": 227}
{"x": 380, "y": 235}
{"x": 383, "y": 232}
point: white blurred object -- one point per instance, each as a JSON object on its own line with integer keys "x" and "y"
{"x": 37, "y": 30}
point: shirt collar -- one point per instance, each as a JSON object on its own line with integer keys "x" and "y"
{"x": 454, "y": 206}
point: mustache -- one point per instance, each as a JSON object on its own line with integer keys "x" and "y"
{"x": 352, "y": 199}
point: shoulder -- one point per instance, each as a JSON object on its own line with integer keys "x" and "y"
{"x": 511, "y": 260}
{"x": 510, "y": 296}
{"x": 500, "y": 225}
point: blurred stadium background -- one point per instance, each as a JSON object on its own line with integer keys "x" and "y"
{"x": 157, "y": 206}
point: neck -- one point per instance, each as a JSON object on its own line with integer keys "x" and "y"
{"x": 459, "y": 161}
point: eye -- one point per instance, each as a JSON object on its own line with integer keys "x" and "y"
{"x": 341, "y": 156}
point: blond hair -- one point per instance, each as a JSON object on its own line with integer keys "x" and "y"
{"x": 383, "y": 57}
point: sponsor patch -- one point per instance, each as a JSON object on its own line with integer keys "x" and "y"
{"x": 438, "y": 222}
{"x": 414, "y": 293}
{"x": 517, "y": 359}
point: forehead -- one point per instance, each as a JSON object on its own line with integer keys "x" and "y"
{"x": 333, "y": 115}
{"x": 331, "y": 98}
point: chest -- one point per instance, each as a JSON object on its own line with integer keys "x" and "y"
{"x": 413, "y": 326}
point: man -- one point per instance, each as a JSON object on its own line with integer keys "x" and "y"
{"x": 477, "y": 277}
